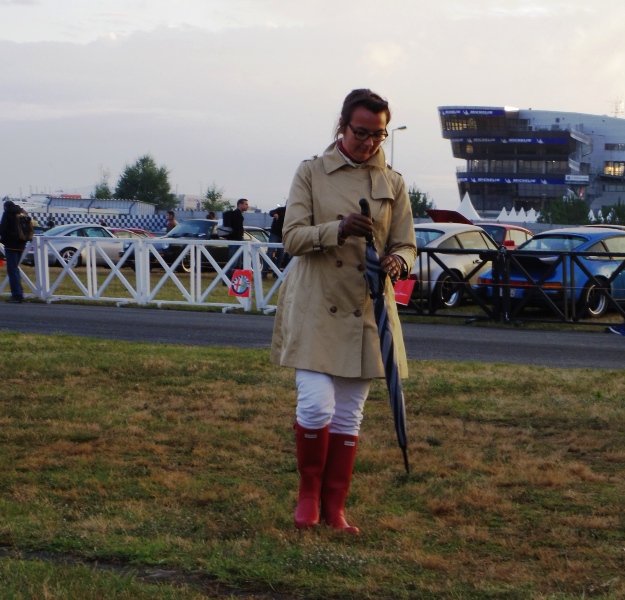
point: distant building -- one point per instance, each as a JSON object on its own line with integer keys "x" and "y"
{"x": 527, "y": 158}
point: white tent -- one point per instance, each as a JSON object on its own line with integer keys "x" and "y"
{"x": 512, "y": 216}
{"x": 467, "y": 210}
{"x": 591, "y": 216}
{"x": 531, "y": 216}
{"x": 503, "y": 215}
{"x": 522, "y": 217}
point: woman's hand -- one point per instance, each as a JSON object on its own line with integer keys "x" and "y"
{"x": 393, "y": 265}
{"x": 355, "y": 224}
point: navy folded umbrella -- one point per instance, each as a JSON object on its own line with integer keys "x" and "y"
{"x": 376, "y": 278}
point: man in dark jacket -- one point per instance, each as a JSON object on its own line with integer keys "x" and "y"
{"x": 275, "y": 235}
{"x": 237, "y": 233}
{"x": 13, "y": 249}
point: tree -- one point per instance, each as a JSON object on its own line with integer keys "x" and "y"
{"x": 102, "y": 190}
{"x": 146, "y": 182}
{"x": 568, "y": 210}
{"x": 419, "y": 202}
{"x": 214, "y": 200}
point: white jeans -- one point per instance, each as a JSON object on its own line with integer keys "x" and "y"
{"x": 328, "y": 400}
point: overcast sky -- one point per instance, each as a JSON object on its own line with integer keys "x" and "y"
{"x": 238, "y": 92}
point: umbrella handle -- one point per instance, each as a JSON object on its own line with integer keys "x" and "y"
{"x": 365, "y": 211}
{"x": 364, "y": 207}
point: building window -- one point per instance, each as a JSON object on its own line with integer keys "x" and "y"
{"x": 478, "y": 166}
{"x": 502, "y": 166}
{"x": 530, "y": 166}
{"x": 617, "y": 147}
{"x": 614, "y": 168}
{"x": 557, "y": 166}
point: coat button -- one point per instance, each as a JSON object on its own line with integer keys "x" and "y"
{"x": 361, "y": 267}
{"x": 339, "y": 263}
{"x": 333, "y": 309}
{"x": 339, "y": 217}
{"x": 357, "y": 313}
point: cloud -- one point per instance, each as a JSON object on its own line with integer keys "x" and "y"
{"x": 515, "y": 9}
{"x": 384, "y": 56}
{"x": 240, "y": 100}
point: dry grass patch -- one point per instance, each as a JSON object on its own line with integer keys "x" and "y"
{"x": 184, "y": 458}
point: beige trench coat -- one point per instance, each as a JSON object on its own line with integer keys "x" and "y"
{"x": 324, "y": 320}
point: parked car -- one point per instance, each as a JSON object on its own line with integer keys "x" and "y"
{"x": 204, "y": 229}
{"x": 130, "y": 232}
{"x": 433, "y": 279}
{"x": 504, "y": 234}
{"x": 72, "y": 238}
{"x": 545, "y": 248}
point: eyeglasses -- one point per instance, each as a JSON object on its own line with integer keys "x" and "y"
{"x": 362, "y": 135}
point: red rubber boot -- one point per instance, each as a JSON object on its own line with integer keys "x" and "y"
{"x": 312, "y": 449}
{"x": 336, "y": 480}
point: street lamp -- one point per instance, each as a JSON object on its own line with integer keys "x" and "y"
{"x": 393, "y": 139}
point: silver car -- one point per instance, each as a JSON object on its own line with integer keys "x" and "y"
{"x": 435, "y": 282}
{"x": 73, "y": 236}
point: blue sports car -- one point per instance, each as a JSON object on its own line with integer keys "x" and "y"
{"x": 561, "y": 266}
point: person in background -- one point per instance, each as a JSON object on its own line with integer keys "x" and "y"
{"x": 210, "y": 215}
{"x": 50, "y": 224}
{"x": 13, "y": 249}
{"x": 325, "y": 327}
{"x": 275, "y": 235}
{"x": 236, "y": 234}
{"x": 170, "y": 222}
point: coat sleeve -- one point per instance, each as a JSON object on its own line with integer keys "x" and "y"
{"x": 401, "y": 239}
{"x": 301, "y": 233}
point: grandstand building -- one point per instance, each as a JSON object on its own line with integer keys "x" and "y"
{"x": 517, "y": 159}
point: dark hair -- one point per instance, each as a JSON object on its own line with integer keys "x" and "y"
{"x": 171, "y": 212}
{"x": 241, "y": 200}
{"x": 367, "y": 99}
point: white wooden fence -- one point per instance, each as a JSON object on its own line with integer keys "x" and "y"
{"x": 98, "y": 271}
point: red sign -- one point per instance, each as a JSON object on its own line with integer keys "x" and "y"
{"x": 241, "y": 284}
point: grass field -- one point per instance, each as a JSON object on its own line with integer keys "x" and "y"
{"x": 174, "y": 467}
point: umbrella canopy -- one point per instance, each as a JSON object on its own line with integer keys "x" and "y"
{"x": 376, "y": 278}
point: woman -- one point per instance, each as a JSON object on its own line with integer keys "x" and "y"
{"x": 325, "y": 326}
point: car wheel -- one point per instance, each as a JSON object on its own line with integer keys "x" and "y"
{"x": 185, "y": 264}
{"x": 592, "y": 302}
{"x": 448, "y": 292}
{"x": 67, "y": 254}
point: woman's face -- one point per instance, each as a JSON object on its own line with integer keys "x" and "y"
{"x": 370, "y": 122}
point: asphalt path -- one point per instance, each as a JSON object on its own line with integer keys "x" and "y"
{"x": 457, "y": 343}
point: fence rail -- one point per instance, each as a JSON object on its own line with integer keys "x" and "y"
{"x": 580, "y": 292}
{"x": 95, "y": 274}
{"x": 195, "y": 277}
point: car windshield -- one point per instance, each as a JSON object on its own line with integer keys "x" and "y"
{"x": 192, "y": 229}
{"x": 425, "y": 236}
{"x": 258, "y": 234}
{"x": 497, "y": 232}
{"x": 59, "y": 230}
{"x": 554, "y": 242}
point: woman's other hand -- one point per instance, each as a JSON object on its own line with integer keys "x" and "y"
{"x": 393, "y": 265}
